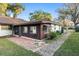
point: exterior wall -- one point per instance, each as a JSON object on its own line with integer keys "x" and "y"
{"x": 28, "y": 34}
{"x": 55, "y": 28}
{"x": 40, "y": 34}
{"x": 5, "y": 32}
{"x": 44, "y": 31}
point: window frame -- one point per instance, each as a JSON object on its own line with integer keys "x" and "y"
{"x": 33, "y": 28}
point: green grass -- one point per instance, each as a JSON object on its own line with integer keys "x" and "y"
{"x": 8, "y": 48}
{"x": 70, "y": 47}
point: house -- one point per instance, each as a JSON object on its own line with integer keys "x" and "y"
{"x": 6, "y": 25}
{"x": 55, "y": 26}
{"x": 34, "y": 29}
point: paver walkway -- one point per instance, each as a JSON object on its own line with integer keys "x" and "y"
{"x": 50, "y": 49}
{"x": 27, "y": 43}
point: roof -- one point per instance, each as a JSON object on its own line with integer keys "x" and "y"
{"x": 36, "y": 22}
{"x": 16, "y": 21}
{"x": 10, "y": 20}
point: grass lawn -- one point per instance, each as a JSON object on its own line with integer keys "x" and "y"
{"x": 70, "y": 47}
{"x": 8, "y": 48}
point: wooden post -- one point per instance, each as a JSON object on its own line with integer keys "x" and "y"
{"x": 28, "y": 29}
{"x": 12, "y": 30}
{"x": 19, "y": 31}
{"x": 40, "y": 31}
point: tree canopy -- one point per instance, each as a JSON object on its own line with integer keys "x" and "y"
{"x": 15, "y": 8}
{"x": 40, "y": 15}
{"x": 70, "y": 11}
{"x": 3, "y": 8}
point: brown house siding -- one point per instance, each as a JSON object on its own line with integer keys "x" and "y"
{"x": 40, "y": 34}
{"x": 28, "y": 34}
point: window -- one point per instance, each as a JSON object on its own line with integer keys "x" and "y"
{"x": 45, "y": 29}
{"x": 33, "y": 30}
{"x": 5, "y": 27}
{"x": 25, "y": 30}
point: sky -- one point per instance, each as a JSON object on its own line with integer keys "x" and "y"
{"x": 47, "y": 7}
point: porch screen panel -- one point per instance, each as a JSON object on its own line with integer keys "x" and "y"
{"x": 25, "y": 30}
{"x": 33, "y": 30}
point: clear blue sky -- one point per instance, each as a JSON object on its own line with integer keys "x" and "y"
{"x": 47, "y": 7}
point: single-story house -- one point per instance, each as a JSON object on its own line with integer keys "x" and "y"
{"x": 34, "y": 29}
{"x": 56, "y": 27}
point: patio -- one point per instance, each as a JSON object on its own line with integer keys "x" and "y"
{"x": 28, "y": 43}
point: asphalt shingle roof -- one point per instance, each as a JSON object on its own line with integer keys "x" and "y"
{"x": 10, "y": 20}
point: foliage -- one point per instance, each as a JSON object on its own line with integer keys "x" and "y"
{"x": 40, "y": 15}
{"x": 53, "y": 35}
{"x": 15, "y": 9}
{"x": 58, "y": 32}
{"x": 70, "y": 11}
{"x": 77, "y": 28}
{"x": 62, "y": 16}
{"x": 3, "y": 8}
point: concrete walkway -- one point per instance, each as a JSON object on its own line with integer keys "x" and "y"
{"x": 50, "y": 49}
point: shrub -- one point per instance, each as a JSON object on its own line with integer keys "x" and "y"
{"x": 77, "y": 28}
{"x": 52, "y": 35}
{"x": 58, "y": 32}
